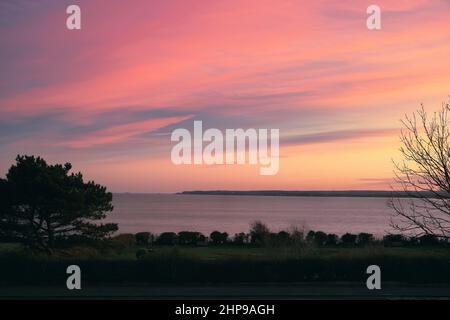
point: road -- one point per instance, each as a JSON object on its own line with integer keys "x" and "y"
{"x": 271, "y": 291}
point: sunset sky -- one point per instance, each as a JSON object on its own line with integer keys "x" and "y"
{"x": 107, "y": 97}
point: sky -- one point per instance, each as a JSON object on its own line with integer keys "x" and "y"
{"x": 107, "y": 97}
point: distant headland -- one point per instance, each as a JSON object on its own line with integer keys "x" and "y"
{"x": 305, "y": 193}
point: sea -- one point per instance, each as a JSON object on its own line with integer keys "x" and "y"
{"x": 158, "y": 213}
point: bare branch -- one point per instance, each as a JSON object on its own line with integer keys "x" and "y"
{"x": 424, "y": 174}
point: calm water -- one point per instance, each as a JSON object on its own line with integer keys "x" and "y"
{"x": 168, "y": 212}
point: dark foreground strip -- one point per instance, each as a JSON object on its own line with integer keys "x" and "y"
{"x": 220, "y": 309}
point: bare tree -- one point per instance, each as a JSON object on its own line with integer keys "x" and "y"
{"x": 424, "y": 175}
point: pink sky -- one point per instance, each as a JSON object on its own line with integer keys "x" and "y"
{"x": 107, "y": 97}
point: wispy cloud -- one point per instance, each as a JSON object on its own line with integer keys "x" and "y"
{"x": 330, "y": 136}
{"x": 123, "y": 132}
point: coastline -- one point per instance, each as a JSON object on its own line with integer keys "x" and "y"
{"x": 306, "y": 193}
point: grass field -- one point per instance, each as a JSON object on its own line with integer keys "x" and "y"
{"x": 226, "y": 264}
{"x": 218, "y": 253}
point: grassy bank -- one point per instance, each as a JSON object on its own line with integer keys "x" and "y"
{"x": 229, "y": 264}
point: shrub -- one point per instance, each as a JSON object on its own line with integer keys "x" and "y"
{"x": 394, "y": 237}
{"x": 283, "y": 238}
{"x": 310, "y": 236}
{"x": 125, "y": 240}
{"x": 393, "y": 240}
{"x": 167, "y": 238}
{"x": 143, "y": 238}
{"x": 78, "y": 240}
{"x": 218, "y": 237}
{"x": 140, "y": 253}
{"x": 349, "y": 239}
{"x": 320, "y": 238}
{"x": 79, "y": 252}
{"x": 332, "y": 239}
{"x": 428, "y": 240}
{"x": 240, "y": 238}
{"x": 202, "y": 238}
{"x": 413, "y": 241}
{"x": 297, "y": 236}
{"x": 365, "y": 238}
{"x": 190, "y": 237}
{"x": 259, "y": 233}
{"x": 277, "y": 239}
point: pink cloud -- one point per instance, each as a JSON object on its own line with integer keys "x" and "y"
{"x": 178, "y": 56}
{"x": 122, "y": 132}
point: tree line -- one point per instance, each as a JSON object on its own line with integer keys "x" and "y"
{"x": 261, "y": 236}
